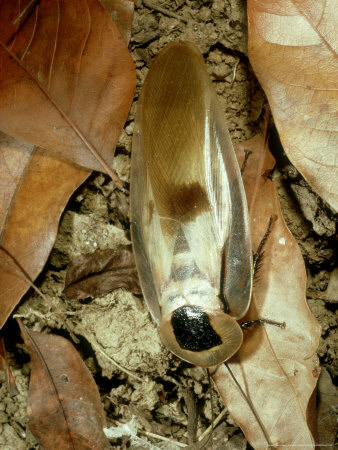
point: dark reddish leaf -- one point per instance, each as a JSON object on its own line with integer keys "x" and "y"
{"x": 66, "y": 78}
{"x": 64, "y": 406}
{"x": 96, "y": 274}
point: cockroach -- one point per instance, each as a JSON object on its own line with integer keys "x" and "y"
{"x": 189, "y": 216}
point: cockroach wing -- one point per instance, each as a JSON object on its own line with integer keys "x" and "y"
{"x": 238, "y": 268}
{"x": 189, "y": 217}
{"x": 146, "y": 233}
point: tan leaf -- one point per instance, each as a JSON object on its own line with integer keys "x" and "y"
{"x": 277, "y": 368}
{"x": 64, "y": 405}
{"x": 293, "y": 51}
{"x": 37, "y": 187}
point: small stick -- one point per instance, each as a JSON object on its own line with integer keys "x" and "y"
{"x": 234, "y": 74}
{"x": 213, "y": 425}
{"x": 166, "y": 12}
{"x": 149, "y": 434}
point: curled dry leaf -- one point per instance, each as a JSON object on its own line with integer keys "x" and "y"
{"x": 96, "y": 274}
{"x": 293, "y": 51}
{"x": 37, "y": 187}
{"x": 277, "y": 368}
{"x": 65, "y": 70}
{"x": 64, "y": 406}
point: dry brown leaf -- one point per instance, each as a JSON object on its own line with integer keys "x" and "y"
{"x": 65, "y": 71}
{"x": 14, "y": 157}
{"x": 37, "y": 187}
{"x": 277, "y": 368}
{"x": 96, "y": 274}
{"x": 293, "y": 51}
{"x": 64, "y": 405}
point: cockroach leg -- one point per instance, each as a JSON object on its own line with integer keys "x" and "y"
{"x": 258, "y": 255}
{"x": 255, "y": 322}
{"x": 246, "y": 157}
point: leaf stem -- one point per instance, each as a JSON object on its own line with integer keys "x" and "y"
{"x": 251, "y": 406}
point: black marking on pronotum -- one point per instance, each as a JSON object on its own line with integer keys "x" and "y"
{"x": 193, "y": 330}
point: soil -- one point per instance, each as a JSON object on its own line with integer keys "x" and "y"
{"x": 97, "y": 218}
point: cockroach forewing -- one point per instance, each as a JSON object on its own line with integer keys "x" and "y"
{"x": 238, "y": 251}
{"x": 186, "y": 185}
{"x": 141, "y": 201}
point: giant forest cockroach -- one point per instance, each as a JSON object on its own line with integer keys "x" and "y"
{"x": 189, "y": 217}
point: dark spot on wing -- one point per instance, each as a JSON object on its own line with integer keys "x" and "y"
{"x": 186, "y": 202}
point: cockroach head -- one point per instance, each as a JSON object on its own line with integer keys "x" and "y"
{"x": 201, "y": 337}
